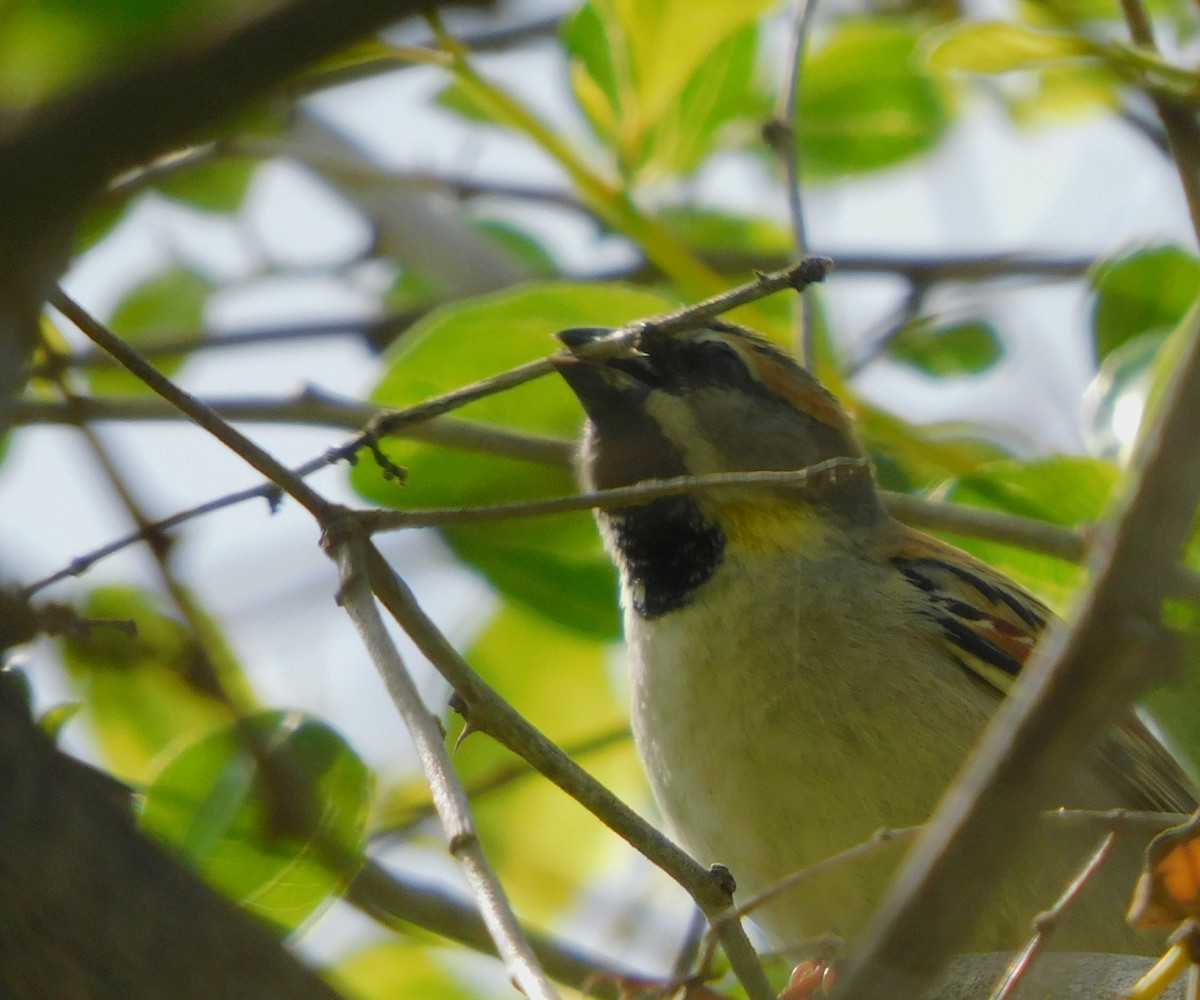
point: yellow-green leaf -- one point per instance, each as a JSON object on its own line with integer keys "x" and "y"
{"x": 998, "y": 47}
{"x": 865, "y": 103}
{"x": 140, "y": 692}
{"x": 563, "y": 683}
{"x": 214, "y": 803}
{"x": 169, "y": 303}
{"x": 554, "y": 564}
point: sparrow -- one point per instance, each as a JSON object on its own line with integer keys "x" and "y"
{"x": 804, "y": 669}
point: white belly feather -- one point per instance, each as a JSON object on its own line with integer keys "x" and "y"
{"x": 768, "y": 750}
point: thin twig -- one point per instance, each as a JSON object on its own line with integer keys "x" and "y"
{"x": 1118, "y": 819}
{"x": 197, "y": 411}
{"x": 797, "y": 277}
{"x": 1078, "y": 681}
{"x": 501, "y": 778}
{"x": 486, "y": 40}
{"x": 780, "y": 134}
{"x": 1046, "y": 922}
{"x": 370, "y": 329}
{"x": 316, "y": 408}
{"x": 1178, "y": 119}
{"x": 347, "y": 547}
{"x": 487, "y": 712}
{"x": 877, "y": 840}
{"x": 622, "y": 496}
{"x": 392, "y": 898}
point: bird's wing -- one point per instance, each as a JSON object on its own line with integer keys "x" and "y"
{"x": 990, "y": 625}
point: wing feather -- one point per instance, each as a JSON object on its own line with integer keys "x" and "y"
{"x": 990, "y": 626}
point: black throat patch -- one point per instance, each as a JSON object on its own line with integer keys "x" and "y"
{"x": 670, "y": 549}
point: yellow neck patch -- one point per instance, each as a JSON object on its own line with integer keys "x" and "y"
{"x": 768, "y": 524}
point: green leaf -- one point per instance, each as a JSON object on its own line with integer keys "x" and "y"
{"x": 386, "y": 970}
{"x": 555, "y": 564}
{"x": 1116, "y": 398}
{"x": 719, "y": 92}
{"x": 1147, "y": 291}
{"x": 50, "y": 45}
{"x": 1064, "y": 490}
{"x": 216, "y": 185}
{"x": 525, "y": 247}
{"x": 213, "y": 803}
{"x": 998, "y": 47}
{"x": 98, "y": 221}
{"x": 561, "y": 681}
{"x": 711, "y": 232}
{"x": 864, "y": 104}
{"x": 140, "y": 692}
{"x": 55, "y": 719}
{"x": 656, "y": 81}
{"x": 169, "y": 303}
{"x": 958, "y": 349}
{"x": 1065, "y": 91}
{"x": 460, "y": 99}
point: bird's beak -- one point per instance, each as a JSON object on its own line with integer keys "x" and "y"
{"x": 604, "y": 384}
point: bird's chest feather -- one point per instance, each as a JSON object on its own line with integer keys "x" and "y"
{"x": 775, "y": 722}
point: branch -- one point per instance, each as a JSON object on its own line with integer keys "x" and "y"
{"x": 1178, "y": 119}
{"x": 814, "y": 476}
{"x": 797, "y": 277}
{"x": 345, "y": 545}
{"x": 317, "y": 408}
{"x": 1079, "y": 681}
{"x": 372, "y": 330}
{"x": 1045, "y": 923}
{"x": 487, "y": 712}
{"x": 391, "y": 898}
{"x": 200, "y": 414}
{"x": 780, "y": 135}
{"x": 66, "y": 150}
{"x": 92, "y": 907}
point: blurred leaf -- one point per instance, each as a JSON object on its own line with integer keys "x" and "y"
{"x": 998, "y": 47}
{"x": 524, "y": 246}
{"x": 141, "y": 693}
{"x": 958, "y": 349}
{"x": 216, "y": 185}
{"x": 97, "y": 222}
{"x": 1168, "y": 890}
{"x": 412, "y": 289}
{"x": 561, "y": 681}
{"x": 359, "y": 53}
{"x": 1065, "y": 490}
{"x": 1146, "y": 291}
{"x": 457, "y": 97}
{"x": 1115, "y": 400}
{"x": 864, "y": 104}
{"x": 586, "y": 35}
{"x": 657, "y": 82}
{"x": 1067, "y": 91}
{"x": 913, "y": 459}
{"x": 387, "y": 970}
{"x": 718, "y": 92}
{"x": 169, "y": 303}
{"x": 555, "y": 564}
{"x": 210, "y": 801}
{"x": 49, "y": 45}
{"x": 711, "y": 232}
{"x": 55, "y": 719}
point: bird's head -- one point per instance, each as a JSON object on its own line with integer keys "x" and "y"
{"x": 717, "y": 400}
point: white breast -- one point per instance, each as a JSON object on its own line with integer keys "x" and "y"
{"x": 776, "y": 727}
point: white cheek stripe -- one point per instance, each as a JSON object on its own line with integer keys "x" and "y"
{"x": 678, "y": 426}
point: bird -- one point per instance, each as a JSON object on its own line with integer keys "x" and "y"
{"x": 804, "y": 669}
